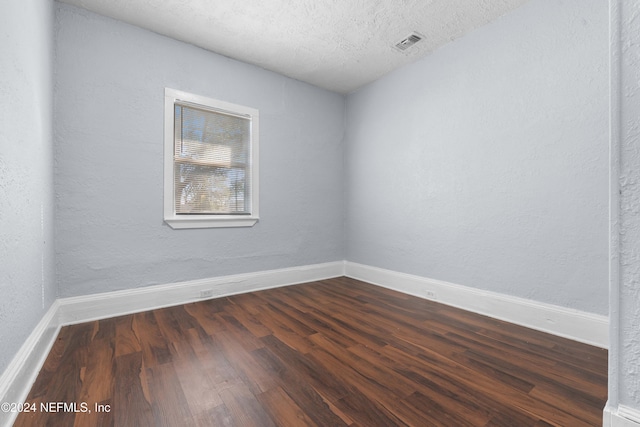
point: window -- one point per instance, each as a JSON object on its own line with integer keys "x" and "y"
{"x": 210, "y": 162}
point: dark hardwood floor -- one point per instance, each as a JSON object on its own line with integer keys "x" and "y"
{"x": 333, "y": 353}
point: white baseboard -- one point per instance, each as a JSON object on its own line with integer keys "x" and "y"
{"x": 110, "y": 304}
{"x": 622, "y": 416}
{"x": 573, "y": 324}
{"x": 17, "y": 379}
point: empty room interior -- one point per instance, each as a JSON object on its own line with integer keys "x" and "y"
{"x": 320, "y": 213}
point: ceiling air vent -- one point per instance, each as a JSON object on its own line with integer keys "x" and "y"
{"x": 407, "y": 42}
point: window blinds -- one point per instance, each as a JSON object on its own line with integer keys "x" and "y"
{"x": 212, "y": 162}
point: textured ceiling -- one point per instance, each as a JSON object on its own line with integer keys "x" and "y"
{"x": 339, "y": 45}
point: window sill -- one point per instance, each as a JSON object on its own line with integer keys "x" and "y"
{"x": 210, "y": 222}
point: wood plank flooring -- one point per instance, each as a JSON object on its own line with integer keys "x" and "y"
{"x": 333, "y": 353}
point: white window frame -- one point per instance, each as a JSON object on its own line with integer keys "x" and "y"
{"x": 171, "y": 96}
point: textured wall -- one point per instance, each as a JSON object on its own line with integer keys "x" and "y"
{"x": 109, "y": 95}
{"x": 625, "y": 351}
{"x": 27, "y": 287}
{"x": 485, "y": 163}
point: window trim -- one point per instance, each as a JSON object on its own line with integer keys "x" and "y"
{"x": 171, "y": 96}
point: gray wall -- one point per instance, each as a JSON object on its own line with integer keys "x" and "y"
{"x": 27, "y": 287}
{"x": 624, "y": 363}
{"x": 109, "y": 94}
{"x": 485, "y": 163}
